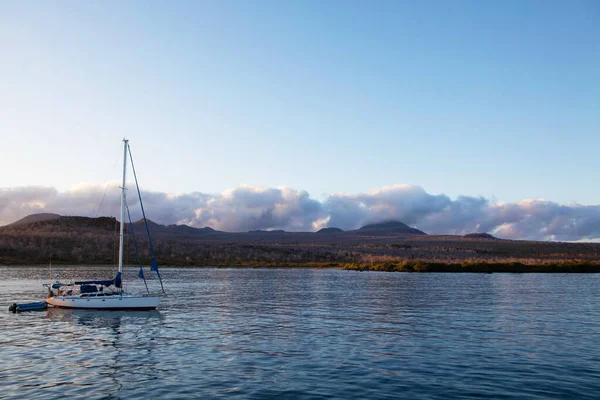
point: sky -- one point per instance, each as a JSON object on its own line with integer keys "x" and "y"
{"x": 368, "y": 102}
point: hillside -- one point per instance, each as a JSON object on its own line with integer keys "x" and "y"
{"x": 172, "y": 230}
{"x": 35, "y": 218}
{"x": 330, "y": 230}
{"x": 390, "y": 227}
{"x": 479, "y": 235}
{"x": 82, "y": 240}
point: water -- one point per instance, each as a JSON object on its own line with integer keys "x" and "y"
{"x": 310, "y": 334}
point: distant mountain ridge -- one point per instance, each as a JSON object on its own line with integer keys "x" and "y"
{"x": 38, "y": 239}
{"x": 330, "y": 230}
{"x": 55, "y": 222}
{"x": 35, "y": 218}
{"x": 479, "y": 235}
{"x": 390, "y": 227}
{"x": 174, "y": 230}
{"x": 37, "y": 221}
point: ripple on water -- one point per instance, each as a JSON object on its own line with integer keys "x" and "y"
{"x": 278, "y": 333}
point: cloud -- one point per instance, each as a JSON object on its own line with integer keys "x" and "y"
{"x": 409, "y": 204}
{"x": 247, "y": 208}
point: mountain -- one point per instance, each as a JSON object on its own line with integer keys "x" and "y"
{"x": 35, "y": 218}
{"x": 54, "y": 222}
{"x": 38, "y": 239}
{"x": 479, "y": 236}
{"x": 44, "y": 223}
{"x": 171, "y": 230}
{"x": 330, "y": 230}
{"x": 389, "y": 227}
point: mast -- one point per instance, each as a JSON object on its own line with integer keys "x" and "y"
{"x": 125, "y": 142}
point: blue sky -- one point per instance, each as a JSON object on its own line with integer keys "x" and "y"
{"x": 493, "y": 99}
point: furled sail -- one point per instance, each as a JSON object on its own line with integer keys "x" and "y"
{"x": 116, "y": 282}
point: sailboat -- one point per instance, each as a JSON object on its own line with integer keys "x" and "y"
{"x": 108, "y": 294}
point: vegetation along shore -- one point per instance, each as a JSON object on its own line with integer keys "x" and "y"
{"x": 390, "y": 246}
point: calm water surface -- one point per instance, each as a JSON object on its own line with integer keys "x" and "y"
{"x": 310, "y": 334}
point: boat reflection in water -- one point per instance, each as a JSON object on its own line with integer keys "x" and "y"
{"x": 119, "y": 349}
{"x": 100, "y": 318}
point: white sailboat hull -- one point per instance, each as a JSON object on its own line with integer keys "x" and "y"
{"x": 116, "y": 302}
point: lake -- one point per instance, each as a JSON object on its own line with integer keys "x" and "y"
{"x": 309, "y": 334}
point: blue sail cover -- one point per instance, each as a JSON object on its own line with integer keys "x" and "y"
{"x": 88, "y": 288}
{"x": 117, "y": 282}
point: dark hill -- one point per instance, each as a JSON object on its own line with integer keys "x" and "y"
{"x": 479, "y": 236}
{"x": 190, "y": 229}
{"x": 330, "y": 230}
{"x": 35, "y": 218}
{"x": 61, "y": 224}
{"x": 54, "y": 223}
{"x": 81, "y": 240}
{"x": 389, "y": 227}
{"x": 171, "y": 230}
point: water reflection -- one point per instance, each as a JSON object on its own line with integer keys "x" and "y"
{"x": 100, "y": 318}
{"x": 120, "y": 346}
{"x": 245, "y": 333}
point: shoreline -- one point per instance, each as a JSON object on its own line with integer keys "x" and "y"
{"x": 480, "y": 267}
{"x": 419, "y": 266}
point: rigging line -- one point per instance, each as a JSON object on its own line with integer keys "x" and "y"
{"x": 137, "y": 253}
{"x": 115, "y": 234}
{"x": 101, "y": 201}
{"x": 105, "y": 191}
{"x": 154, "y": 266}
{"x": 95, "y": 213}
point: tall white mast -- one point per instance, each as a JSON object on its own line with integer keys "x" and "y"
{"x": 125, "y": 144}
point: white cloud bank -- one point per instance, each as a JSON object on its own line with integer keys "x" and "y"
{"x": 247, "y": 208}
